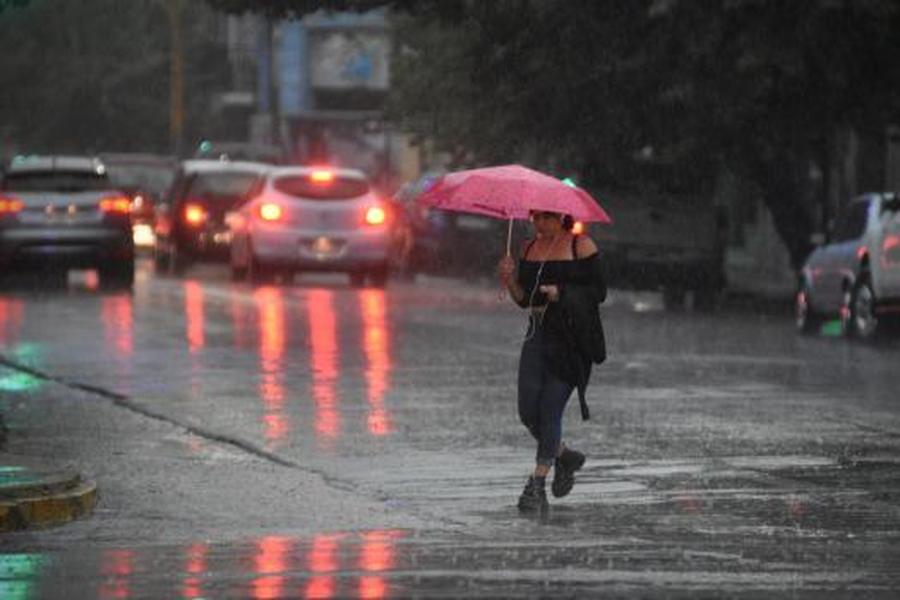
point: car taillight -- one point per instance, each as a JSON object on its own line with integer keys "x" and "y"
{"x": 194, "y": 214}
{"x": 270, "y": 211}
{"x": 116, "y": 205}
{"x": 10, "y": 205}
{"x": 376, "y": 215}
{"x": 321, "y": 176}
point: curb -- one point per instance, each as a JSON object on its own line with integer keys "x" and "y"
{"x": 34, "y": 494}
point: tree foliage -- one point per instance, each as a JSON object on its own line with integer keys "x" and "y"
{"x": 94, "y": 75}
{"x": 670, "y": 90}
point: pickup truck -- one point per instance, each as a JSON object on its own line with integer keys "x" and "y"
{"x": 664, "y": 241}
{"x": 856, "y": 276}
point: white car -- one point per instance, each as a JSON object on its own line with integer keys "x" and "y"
{"x": 856, "y": 276}
{"x": 312, "y": 219}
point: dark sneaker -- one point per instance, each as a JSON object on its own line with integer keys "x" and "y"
{"x": 534, "y": 496}
{"x": 564, "y": 472}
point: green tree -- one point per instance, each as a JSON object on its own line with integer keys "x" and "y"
{"x": 94, "y": 75}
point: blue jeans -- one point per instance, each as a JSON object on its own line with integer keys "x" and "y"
{"x": 542, "y": 396}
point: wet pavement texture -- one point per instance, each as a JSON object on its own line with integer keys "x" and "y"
{"x": 316, "y": 440}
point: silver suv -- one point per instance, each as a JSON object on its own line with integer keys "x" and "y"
{"x": 856, "y": 276}
{"x": 62, "y": 212}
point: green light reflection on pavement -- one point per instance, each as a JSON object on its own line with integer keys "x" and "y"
{"x": 19, "y": 382}
{"x": 28, "y": 353}
{"x": 18, "y": 575}
{"x": 832, "y": 328}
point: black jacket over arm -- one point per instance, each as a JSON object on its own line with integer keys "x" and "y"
{"x": 574, "y": 333}
{"x": 579, "y": 305}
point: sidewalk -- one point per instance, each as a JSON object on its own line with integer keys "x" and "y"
{"x": 34, "y": 493}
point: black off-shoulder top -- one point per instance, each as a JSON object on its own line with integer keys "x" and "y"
{"x": 580, "y": 271}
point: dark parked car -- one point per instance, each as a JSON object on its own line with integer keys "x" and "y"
{"x": 145, "y": 179}
{"x": 190, "y": 221}
{"x": 62, "y": 212}
{"x": 441, "y": 242}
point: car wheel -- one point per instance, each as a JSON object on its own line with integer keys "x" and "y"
{"x": 238, "y": 273}
{"x": 161, "y": 260}
{"x": 806, "y": 319}
{"x": 379, "y": 276}
{"x": 705, "y": 298}
{"x": 864, "y": 322}
{"x": 673, "y": 298}
{"x": 257, "y": 272}
{"x": 357, "y": 278}
{"x": 178, "y": 262}
{"x": 117, "y": 276}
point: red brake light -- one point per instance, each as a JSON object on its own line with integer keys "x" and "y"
{"x": 270, "y": 211}
{"x": 116, "y": 204}
{"x": 10, "y": 205}
{"x": 322, "y": 176}
{"x": 376, "y": 215}
{"x": 194, "y": 214}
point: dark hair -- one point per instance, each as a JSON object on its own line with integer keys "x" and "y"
{"x": 568, "y": 222}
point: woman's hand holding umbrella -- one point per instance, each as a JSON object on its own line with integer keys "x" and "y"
{"x": 506, "y": 270}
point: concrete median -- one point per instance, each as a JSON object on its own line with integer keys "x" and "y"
{"x": 34, "y": 493}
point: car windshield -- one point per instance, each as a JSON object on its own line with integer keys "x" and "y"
{"x": 338, "y": 188}
{"x": 55, "y": 181}
{"x": 224, "y": 186}
{"x": 150, "y": 178}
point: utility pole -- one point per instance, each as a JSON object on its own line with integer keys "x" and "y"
{"x": 176, "y": 77}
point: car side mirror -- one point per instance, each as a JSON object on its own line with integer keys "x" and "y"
{"x": 817, "y": 238}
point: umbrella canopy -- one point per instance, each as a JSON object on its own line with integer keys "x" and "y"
{"x": 511, "y": 192}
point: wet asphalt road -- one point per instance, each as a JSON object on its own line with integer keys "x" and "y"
{"x": 316, "y": 440}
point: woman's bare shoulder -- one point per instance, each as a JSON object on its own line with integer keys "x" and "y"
{"x": 585, "y": 245}
{"x": 523, "y": 249}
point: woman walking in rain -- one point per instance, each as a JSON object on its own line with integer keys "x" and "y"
{"x": 559, "y": 280}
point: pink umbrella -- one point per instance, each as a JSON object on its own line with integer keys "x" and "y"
{"x": 511, "y": 192}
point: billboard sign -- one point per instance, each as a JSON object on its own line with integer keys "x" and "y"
{"x": 349, "y": 59}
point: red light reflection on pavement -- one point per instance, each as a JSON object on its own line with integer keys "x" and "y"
{"x": 323, "y": 339}
{"x": 238, "y": 321}
{"x": 272, "y": 346}
{"x": 116, "y": 566}
{"x": 378, "y": 359}
{"x": 193, "y": 313}
{"x": 195, "y": 566}
{"x": 118, "y": 324}
{"x": 690, "y": 504}
{"x": 322, "y": 558}
{"x": 376, "y": 556}
{"x": 271, "y": 565}
{"x": 11, "y": 312}
{"x": 796, "y": 506}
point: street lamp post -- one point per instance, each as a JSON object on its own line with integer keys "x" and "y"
{"x": 176, "y": 76}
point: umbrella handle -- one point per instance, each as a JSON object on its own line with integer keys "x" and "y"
{"x": 509, "y": 238}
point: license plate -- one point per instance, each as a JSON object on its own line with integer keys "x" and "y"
{"x": 323, "y": 245}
